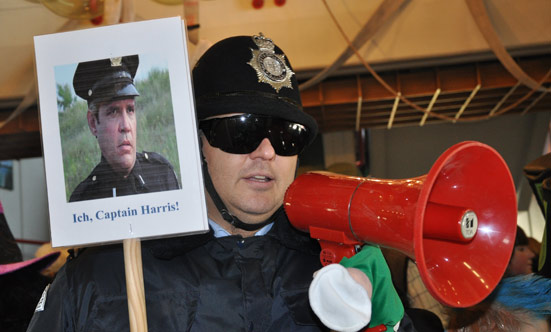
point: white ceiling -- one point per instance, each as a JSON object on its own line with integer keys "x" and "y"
{"x": 303, "y": 28}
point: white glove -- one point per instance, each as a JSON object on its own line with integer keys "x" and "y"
{"x": 341, "y": 303}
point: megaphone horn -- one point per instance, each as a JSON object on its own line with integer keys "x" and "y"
{"x": 458, "y": 222}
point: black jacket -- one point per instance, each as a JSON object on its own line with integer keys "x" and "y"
{"x": 151, "y": 173}
{"x": 194, "y": 283}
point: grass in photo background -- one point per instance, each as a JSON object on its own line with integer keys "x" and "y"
{"x": 155, "y": 133}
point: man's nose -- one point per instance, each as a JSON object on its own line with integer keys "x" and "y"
{"x": 124, "y": 122}
{"x": 265, "y": 150}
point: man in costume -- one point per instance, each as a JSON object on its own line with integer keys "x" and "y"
{"x": 252, "y": 270}
{"x": 108, "y": 87}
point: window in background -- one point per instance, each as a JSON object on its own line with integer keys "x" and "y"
{"x": 6, "y": 174}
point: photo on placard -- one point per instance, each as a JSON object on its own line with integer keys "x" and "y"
{"x": 117, "y": 127}
{"x": 119, "y": 133}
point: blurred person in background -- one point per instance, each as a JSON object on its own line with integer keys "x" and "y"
{"x": 21, "y": 283}
{"x": 522, "y": 257}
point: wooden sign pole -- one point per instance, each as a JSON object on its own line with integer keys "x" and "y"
{"x": 134, "y": 285}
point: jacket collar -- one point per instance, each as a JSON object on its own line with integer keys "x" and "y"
{"x": 282, "y": 231}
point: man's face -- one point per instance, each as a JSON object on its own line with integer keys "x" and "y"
{"x": 521, "y": 261}
{"x": 251, "y": 185}
{"x": 115, "y": 129}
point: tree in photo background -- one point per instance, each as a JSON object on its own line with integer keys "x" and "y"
{"x": 155, "y": 128}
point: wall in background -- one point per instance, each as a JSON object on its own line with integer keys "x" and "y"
{"x": 26, "y": 205}
{"x": 411, "y": 151}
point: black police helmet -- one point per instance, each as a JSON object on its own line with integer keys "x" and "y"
{"x": 247, "y": 74}
{"x": 106, "y": 79}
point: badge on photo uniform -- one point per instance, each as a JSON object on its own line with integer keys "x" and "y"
{"x": 270, "y": 67}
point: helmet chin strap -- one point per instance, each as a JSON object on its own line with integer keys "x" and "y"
{"x": 233, "y": 220}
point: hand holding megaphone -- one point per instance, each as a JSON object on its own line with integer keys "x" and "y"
{"x": 342, "y": 295}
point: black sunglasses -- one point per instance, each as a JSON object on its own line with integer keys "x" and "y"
{"x": 242, "y": 134}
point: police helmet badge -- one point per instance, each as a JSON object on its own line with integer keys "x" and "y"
{"x": 116, "y": 62}
{"x": 270, "y": 67}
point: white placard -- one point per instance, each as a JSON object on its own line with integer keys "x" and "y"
{"x": 71, "y": 151}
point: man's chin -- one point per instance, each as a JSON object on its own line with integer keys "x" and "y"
{"x": 124, "y": 167}
{"x": 257, "y": 215}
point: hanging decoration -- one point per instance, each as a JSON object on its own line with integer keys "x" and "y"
{"x": 169, "y": 2}
{"x": 257, "y": 4}
{"x": 386, "y": 8}
{"x": 191, "y": 16}
{"x": 75, "y": 9}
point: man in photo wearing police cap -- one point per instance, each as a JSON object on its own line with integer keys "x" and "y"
{"x": 252, "y": 271}
{"x": 108, "y": 87}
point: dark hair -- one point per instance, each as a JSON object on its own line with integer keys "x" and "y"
{"x": 521, "y": 238}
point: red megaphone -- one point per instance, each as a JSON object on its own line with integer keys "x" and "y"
{"x": 458, "y": 222}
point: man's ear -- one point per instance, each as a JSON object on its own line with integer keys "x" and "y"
{"x": 92, "y": 123}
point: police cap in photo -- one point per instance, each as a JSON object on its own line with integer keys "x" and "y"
{"x": 106, "y": 79}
